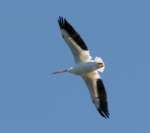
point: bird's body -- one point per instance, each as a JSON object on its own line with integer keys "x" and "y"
{"x": 85, "y": 66}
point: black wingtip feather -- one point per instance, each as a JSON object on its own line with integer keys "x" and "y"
{"x": 64, "y": 24}
{"x": 61, "y": 21}
{"x": 104, "y": 114}
{"x": 103, "y": 108}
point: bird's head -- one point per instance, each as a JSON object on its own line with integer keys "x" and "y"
{"x": 100, "y": 64}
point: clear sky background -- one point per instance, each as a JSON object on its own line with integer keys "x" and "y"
{"x": 31, "y": 48}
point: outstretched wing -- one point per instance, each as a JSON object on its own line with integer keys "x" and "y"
{"x": 98, "y": 92}
{"x": 76, "y": 44}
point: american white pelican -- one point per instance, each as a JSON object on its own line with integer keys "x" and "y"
{"x": 85, "y": 66}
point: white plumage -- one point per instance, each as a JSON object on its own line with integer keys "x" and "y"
{"x": 85, "y": 66}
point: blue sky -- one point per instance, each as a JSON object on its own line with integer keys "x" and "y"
{"x": 31, "y": 47}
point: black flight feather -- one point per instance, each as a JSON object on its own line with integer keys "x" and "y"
{"x": 103, "y": 107}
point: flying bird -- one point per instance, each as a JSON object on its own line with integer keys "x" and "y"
{"x": 85, "y": 66}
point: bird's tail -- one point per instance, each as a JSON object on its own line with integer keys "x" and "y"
{"x": 60, "y": 71}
